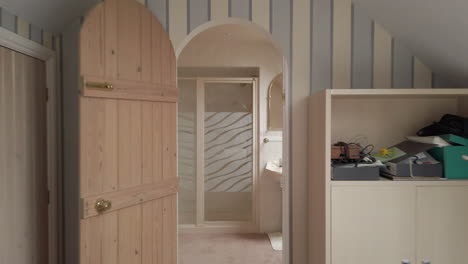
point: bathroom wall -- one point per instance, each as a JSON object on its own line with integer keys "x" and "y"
{"x": 275, "y": 103}
{"x": 272, "y": 200}
{"x": 243, "y": 47}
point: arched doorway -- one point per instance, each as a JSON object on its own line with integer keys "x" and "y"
{"x": 240, "y": 53}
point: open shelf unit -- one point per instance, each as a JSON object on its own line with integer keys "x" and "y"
{"x": 381, "y": 117}
{"x": 342, "y": 213}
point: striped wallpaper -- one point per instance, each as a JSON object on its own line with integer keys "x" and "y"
{"x": 19, "y": 26}
{"x": 327, "y": 44}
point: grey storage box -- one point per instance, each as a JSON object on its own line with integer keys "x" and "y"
{"x": 404, "y": 167}
{"x": 401, "y": 169}
{"x": 347, "y": 173}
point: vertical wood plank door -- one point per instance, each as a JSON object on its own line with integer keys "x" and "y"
{"x": 23, "y": 164}
{"x": 128, "y": 181}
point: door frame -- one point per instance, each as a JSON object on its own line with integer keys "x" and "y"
{"x": 229, "y": 226}
{"x": 287, "y": 119}
{"x": 28, "y": 47}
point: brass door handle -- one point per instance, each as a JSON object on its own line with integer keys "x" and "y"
{"x": 102, "y": 205}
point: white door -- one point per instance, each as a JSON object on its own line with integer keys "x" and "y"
{"x": 217, "y": 161}
{"x": 442, "y": 229}
{"x": 372, "y": 224}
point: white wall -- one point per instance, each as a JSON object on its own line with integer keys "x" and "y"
{"x": 238, "y": 49}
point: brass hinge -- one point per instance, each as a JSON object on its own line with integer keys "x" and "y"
{"x": 100, "y": 86}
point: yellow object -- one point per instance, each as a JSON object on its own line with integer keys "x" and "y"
{"x": 385, "y": 152}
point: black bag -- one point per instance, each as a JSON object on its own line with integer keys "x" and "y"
{"x": 448, "y": 124}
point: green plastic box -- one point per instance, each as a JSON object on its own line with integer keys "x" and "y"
{"x": 455, "y": 158}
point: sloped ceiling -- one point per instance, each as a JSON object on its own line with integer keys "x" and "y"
{"x": 51, "y": 15}
{"x": 435, "y": 30}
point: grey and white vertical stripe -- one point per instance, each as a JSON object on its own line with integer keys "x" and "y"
{"x": 363, "y": 55}
{"x": 19, "y": 26}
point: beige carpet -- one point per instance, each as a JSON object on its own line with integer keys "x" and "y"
{"x": 227, "y": 249}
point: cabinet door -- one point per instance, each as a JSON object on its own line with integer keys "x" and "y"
{"x": 372, "y": 224}
{"x": 442, "y": 230}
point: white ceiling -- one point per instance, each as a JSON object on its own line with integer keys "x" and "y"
{"x": 435, "y": 30}
{"x": 51, "y": 15}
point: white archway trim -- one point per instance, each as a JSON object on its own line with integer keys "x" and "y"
{"x": 28, "y": 47}
{"x": 287, "y": 206}
{"x": 225, "y": 21}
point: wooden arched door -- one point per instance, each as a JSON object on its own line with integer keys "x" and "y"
{"x": 128, "y": 180}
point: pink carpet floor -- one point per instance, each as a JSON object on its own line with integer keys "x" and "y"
{"x": 227, "y": 249}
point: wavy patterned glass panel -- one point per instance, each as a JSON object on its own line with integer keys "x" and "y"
{"x": 228, "y": 152}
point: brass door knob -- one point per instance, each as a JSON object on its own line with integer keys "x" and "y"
{"x": 102, "y": 205}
